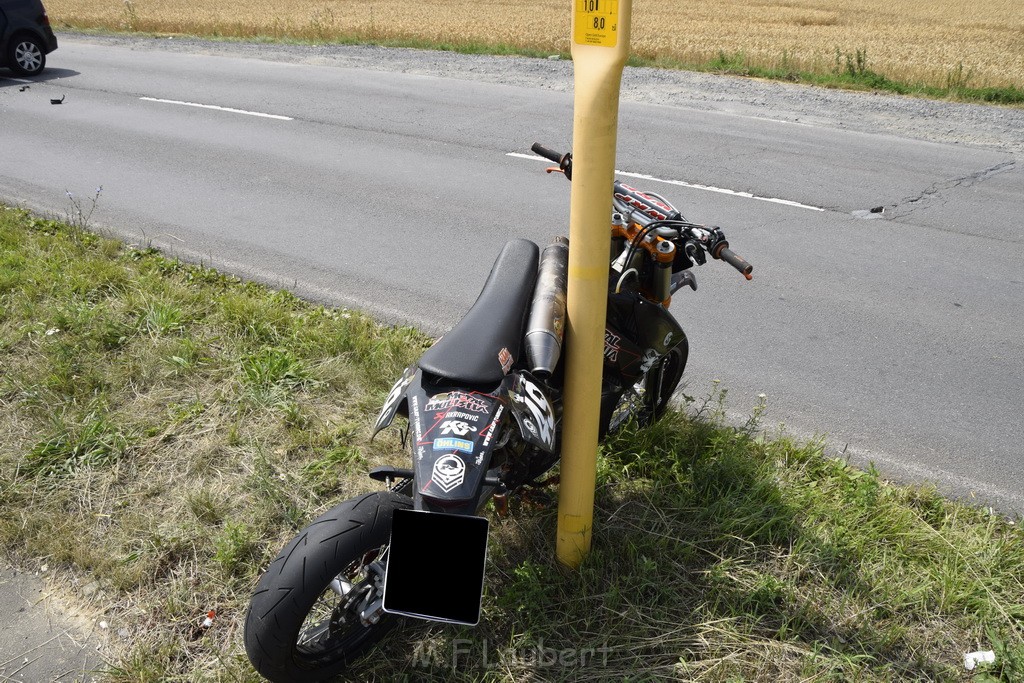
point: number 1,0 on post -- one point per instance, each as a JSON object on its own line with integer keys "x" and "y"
{"x": 607, "y": 8}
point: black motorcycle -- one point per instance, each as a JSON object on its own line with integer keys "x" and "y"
{"x": 483, "y": 407}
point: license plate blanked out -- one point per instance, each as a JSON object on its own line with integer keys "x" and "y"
{"x": 436, "y": 566}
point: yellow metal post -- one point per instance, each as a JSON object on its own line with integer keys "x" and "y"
{"x": 600, "y": 46}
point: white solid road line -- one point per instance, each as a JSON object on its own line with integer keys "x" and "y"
{"x": 694, "y": 186}
{"x": 213, "y": 106}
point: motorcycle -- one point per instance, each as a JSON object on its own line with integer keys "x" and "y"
{"x": 483, "y": 407}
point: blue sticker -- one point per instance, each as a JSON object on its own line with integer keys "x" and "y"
{"x": 449, "y": 444}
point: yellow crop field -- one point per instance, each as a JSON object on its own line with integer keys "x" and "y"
{"x": 927, "y": 41}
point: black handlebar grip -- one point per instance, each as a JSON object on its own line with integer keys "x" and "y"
{"x": 736, "y": 261}
{"x": 547, "y": 153}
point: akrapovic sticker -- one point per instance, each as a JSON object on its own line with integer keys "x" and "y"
{"x": 460, "y": 415}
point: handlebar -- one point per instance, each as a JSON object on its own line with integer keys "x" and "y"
{"x": 549, "y": 154}
{"x": 724, "y": 253}
{"x": 564, "y": 161}
{"x": 663, "y": 220}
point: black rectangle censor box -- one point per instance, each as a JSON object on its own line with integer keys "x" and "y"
{"x": 436, "y": 566}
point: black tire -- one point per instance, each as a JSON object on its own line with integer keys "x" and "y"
{"x": 26, "y": 55}
{"x": 338, "y": 544}
{"x": 649, "y": 397}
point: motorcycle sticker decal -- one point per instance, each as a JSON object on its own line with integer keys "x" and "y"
{"x": 540, "y": 419}
{"x": 415, "y": 412}
{"x": 649, "y": 209}
{"x": 459, "y": 400}
{"x": 452, "y": 444}
{"x": 449, "y": 472}
{"x": 611, "y": 346}
{"x": 397, "y": 391}
{"x": 458, "y": 415}
{"x": 493, "y": 427}
{"x": 648, "y": 361}
{"x": 457, "y": 428}
{"x": 506, "y": 360}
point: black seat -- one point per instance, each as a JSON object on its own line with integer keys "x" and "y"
{"x": 469, "y": 352}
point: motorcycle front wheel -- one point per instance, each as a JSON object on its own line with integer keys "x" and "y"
{"x": 303, "y": 622}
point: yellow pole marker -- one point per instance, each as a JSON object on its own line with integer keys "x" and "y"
{"x": 600, "y": 47}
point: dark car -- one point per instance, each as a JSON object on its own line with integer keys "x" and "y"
{"x": 25, "y": 36}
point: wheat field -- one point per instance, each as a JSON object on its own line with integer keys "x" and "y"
{"x": 913, "y": 41}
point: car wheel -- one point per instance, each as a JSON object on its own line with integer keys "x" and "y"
{"x": 26, "y": 56}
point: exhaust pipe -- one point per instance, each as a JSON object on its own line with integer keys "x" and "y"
{"x": 547, "y": 311}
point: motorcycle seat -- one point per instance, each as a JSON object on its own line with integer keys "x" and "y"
{"x": 470, "y": 351}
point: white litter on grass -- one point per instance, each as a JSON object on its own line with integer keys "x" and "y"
{"x": 973, "y": 659}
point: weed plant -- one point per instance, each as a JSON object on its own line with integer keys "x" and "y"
{"x": 164, "y": 429}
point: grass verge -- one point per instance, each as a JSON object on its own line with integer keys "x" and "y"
{"x": 849, "y": 72}
{"x": 165, "y": 428}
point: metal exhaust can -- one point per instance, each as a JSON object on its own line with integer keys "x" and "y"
{"x": 547, "y": 311}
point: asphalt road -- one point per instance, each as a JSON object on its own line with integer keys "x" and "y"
{"x": 42, "y": 639}
{"x": 896, "y": 334}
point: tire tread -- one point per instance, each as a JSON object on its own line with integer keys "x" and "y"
{"x": 301, "y": 572}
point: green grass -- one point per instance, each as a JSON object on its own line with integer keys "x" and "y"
{"x": 852, "y": 72}
{"x": 164, "y": 429}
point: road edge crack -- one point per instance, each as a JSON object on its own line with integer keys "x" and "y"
{"x": 908, "y": 205}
